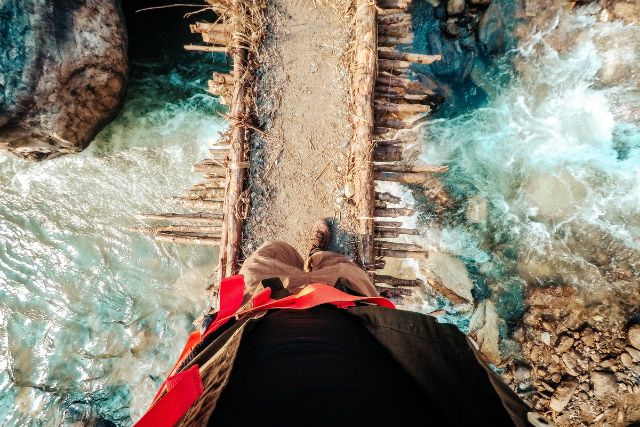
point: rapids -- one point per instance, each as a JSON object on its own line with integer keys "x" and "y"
{"x": 92, "y": 314}
{"x": 545, "y": 176}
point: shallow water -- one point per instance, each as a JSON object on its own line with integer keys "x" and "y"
{"x": 545, "y": 175}
{"x": 92, "y": 314}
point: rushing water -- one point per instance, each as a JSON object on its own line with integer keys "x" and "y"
{"x": 555, "y": 158}
{"x": 92, "y": 314}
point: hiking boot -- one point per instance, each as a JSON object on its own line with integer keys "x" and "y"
{"x": 320, "y": 236}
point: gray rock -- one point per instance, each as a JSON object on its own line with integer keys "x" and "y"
{"x": 491, "y": 31}
{"x": 63, "y": 69}
{"x": 634, "y": 336}
{"x": 455, "y": 7}
{"x": 452, "y": 272}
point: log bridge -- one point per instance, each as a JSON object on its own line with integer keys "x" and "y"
{"x": 385, "y": 99}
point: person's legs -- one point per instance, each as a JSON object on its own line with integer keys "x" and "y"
{"x": 272, "y": 259}
{"x": 328, "y": 267}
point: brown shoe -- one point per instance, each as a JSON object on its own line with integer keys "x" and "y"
{"x": 320, "y": 236}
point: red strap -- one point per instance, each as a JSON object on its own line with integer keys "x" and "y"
{"x": 184, "y": 389}
{"x": 309, "y": 297}
{"x": 231, "y": 295}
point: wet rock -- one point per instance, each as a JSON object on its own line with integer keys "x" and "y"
{"x": 491, "y": 31}
{"x": 477, "y": 209}
{"x": 452, "y": 272}
{"x": 604, "y": 385}
{"x": 63, "y": 69}
{"x": 456, "y": 63}
{"x": 633, "y": 335}
{"x": 451, "y": 29}
{"x": 563, "y": 394}
{"x": 455, "y": 7}
{"x": 485, "y": 323}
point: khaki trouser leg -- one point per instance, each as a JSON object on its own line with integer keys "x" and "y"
{"x": 327, "y": 267}
{"x": 279, "y": 259}
{"x": 272, "y": 259}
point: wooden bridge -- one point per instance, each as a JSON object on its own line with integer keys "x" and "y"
{"x": 384, "y": 100}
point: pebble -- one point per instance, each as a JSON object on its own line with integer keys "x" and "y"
{"x": 565, "y": 344}
{"x": 604, "y": 385}
{"x": 635, "y": 354}
{"x": 546, "y": 338}
{"x": 634, "y": 336}
{"x": 608, "y": 363}
{"x": 570, "y": 364}
{"x": 626, "y": 360}
{"x": 563, "y": 394}
{"x": 349, "y": 189}
{"x": 455, "y": 7}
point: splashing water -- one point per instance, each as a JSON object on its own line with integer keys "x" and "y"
{"x": 92, "y": 314}
{"x": 546, "y": 176}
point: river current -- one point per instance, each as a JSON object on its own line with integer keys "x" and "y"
{"x": 544, "y": 176}
{"x": 91, "y": 314}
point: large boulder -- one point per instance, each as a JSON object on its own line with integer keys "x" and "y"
{"x": 63, "y": 71}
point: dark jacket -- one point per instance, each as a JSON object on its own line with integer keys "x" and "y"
{"x": 438, "y": 357}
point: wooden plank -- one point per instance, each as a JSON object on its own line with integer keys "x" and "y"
{"x": 393, "y": 212}
{"x": 389, "y": 53}
{"x": 362, "y": 146}
{"x": 198, "y": 218}
{"x": 395, "y": 281}
{"x": 199, "y": 48}
{"x": 232, "y": 231}
{"x": 409, "y": 168}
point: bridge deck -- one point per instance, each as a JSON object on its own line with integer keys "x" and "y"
{"x": 320, "y": 102}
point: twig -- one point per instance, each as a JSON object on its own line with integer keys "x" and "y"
{"x": 168, "y": 6}
{"x": 322, "y": 171}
